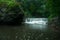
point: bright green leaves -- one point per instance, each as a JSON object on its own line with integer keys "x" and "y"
{"x": 9, "y": 9}
{"x": 11, "y": 3}
{"x": 8, "y": 2}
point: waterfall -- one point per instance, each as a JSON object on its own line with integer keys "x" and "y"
{"x": 36, "y": 23}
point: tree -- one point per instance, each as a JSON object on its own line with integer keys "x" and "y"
{"x": 10, "y": 12}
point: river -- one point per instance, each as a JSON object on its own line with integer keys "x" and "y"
{"x": 32, "y": 29}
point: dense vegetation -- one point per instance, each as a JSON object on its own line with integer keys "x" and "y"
{"x": 15, "y": 10}
{"x": 9, "y": 9}
{"x": 34, "y": 8}
{"x": 10, "y": 12}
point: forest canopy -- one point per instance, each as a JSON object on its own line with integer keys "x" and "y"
{"x": 34, "y": 8}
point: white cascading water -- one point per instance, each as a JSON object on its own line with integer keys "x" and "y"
{"x": 36, "y": 23}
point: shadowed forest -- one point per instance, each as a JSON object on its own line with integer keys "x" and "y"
{"x": 14, "y": 12}
{"x": 10, "y": 9}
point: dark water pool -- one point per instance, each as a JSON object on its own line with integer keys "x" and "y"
{"x": 28, "y": 32}
{"x": 24, "y": 33}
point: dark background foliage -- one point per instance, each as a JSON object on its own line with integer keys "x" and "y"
{"x": 10, "y": 9}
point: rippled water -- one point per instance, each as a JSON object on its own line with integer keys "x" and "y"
{"x": 27, "y": 31}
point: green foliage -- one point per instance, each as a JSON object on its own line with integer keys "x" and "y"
{"x": 8, "y": 2}
{"x": 33, "y": 7}
{"x": 53, "y": 7}
{"x": 9, "y": 9}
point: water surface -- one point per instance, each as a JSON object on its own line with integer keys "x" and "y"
{"x": 35, "y": 30}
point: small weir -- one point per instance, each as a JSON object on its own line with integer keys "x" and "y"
{"x": 36, "y": 23}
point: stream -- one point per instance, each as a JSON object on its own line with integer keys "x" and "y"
{"x": 32, "y": 29}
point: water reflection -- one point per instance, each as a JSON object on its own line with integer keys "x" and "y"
{"x": 36, "y": 23}
{"x": 22, "y": 33}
